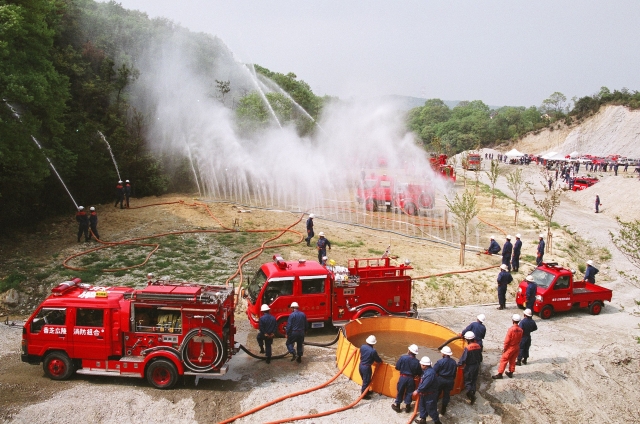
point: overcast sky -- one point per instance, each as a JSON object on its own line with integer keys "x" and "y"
{"x": 504, "y": 52}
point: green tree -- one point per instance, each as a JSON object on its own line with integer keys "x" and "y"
{"x": 493, "y": 173}
{"x": 554, "y": 104}
{"x": 517, "y": 186}
{"x": 252, "y": 114}
{"x": 547, "y": 205}
{"x": 627, "y": 240}
{"x": 464, "y": 208}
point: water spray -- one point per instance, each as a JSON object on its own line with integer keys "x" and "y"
{"x": 252, "y": 73}
{"x": 111, "y": 153}
{"x": 195, "y": 174}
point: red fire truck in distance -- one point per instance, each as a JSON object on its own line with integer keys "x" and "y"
{"x": 475, "y": 162}
{"x": 332, "y": 294}
{"x": 439, "y": 164}
{"x": 160, "y": 332}
{"x": 382, "y": 191}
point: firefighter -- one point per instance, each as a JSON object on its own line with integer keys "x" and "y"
{"x": 515, "y": 258}
{"x": 267, "y": 328}
{"x": 590, "y": 272}
{"x": 428, "y": 391}
{"x": 597, "y": 203}
{"x": 540, "y": 253}
{"x": 119, "y": 195}
{"x": 504, "y": 278}
{"x": 93, "y": 221}
{"x": 478, "y": 329}
{"x": 322, "y": 244}
{"x": 310, "y": 232}
{"x": 531, "y": 292}
{"x": 511, "y": 348}
{"x": 296, "y": 327}
{"x": 127, "y": 192}
{"x": 471, "y": 359}
{"x": 446, "y": 369}
{"x": 83, "y": 223}
{"x": 528, "y": 326}
{"x": 368, "y": 356}
{"x": 409, "y": 368}
{"x": 494, "y": 247}
{"x": 507, "y": 250}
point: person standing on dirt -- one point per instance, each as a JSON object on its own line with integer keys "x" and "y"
{"x": 428, "y": 391}
{"x": 471, "y": 359}
{"x": 296, "y": 327}
{"x": 528, "y": 326}
{"x": 322, "y": 245}
{"x": 409, "y": 368}
{"x": 93, "y": 221}
{"x": 590, "y": 272}
{"x": 310, "y": 232}
{"x": 597, "y": 203}
{"x": 504, "y": 278}
{"x": 83, "y": 223}
{"x": 494, "y": 247}
{"x": 119, "y": 195}
{"x": 127, "y": 192}
{"x": 515, "y": 258}
{"x": 531, "y": 292}
{"x": 477, "y": 328}
{"x": 267, "y": 327}
{"x": 540, "y": 253}
{"x": 446, "y": 370}
{"x": 368, "y": 356}
{"x": 511, "y": 348}
{"x": 507, "y": 250}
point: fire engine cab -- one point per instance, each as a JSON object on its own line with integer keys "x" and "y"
{"x": 160, "y": 332}
{"x": 331, "y": 294}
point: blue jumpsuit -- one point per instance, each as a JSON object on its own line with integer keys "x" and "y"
{"x": 494, "y": 247}
{"x": 368, "y": 356}
{"x": 310, "y": 232}
{"x": 528, "y": 326}
{"x": 296, "y": 326}
{"x": 409, "y": 368}
{"x": 322, "y": 247}
{"x": 266, "y": 325}
{"x": 590, "y": 274}
{"x": 504, "y": 278}
{"x": 515, "y": 261}
{"x": 471, "y": 359}
{"x": 428, "y": 389}
{"x": 478, "y": 329}
{"x": 507, "y": 249}
{"x": 532, "y": 290}
{"x": 446, "y": 368}
{"x": 540, "y": 254}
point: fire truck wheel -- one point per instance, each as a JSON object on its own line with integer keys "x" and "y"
{"x": 595, "y": 308}
{"x": 162, "y": 374}
{"x": 521, "y": 306}
{"x": 58, "y": 366}
{"x": 426, "y": 201}
{"x": 546, "y": 312}
{"x": 410, "y": 209}
{"x": 282, "y": 324}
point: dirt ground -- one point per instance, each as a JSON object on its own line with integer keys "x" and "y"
{"x": 583, "y": 368}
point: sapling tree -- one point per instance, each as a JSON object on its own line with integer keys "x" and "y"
{"x": 493, "y": 173}
{"x": 517, "y": 186}
{"x": 627, "y": 240}
{"x": 547, "y": 205}
{"x": 464, "y": 161}
{"x": 463, "y": 208}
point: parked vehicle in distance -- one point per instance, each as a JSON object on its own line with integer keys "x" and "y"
{"x": 580, "y": 183}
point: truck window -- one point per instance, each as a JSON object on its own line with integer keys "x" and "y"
{"x": 157, "y": 320}
{"x": 313, "y": 285}
{"x": 542, "y": 278}
{"x": 277, "y": 289}
{"x": 562, "y": 283}
{"x": 89, "y": 317}
{"x": 255, "y": 285}
{"x": 48, "y": 316}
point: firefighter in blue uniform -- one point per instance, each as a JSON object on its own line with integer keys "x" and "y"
{"x": 119, "y": 195}
{"x": 409, "y": 368}
{"x": 528, "y": 326}
{"x": 83, "y": 223}
{"x": 507, "y": 249}
{"x": 267, "y": 327}
{"x": 515, "y": 258}
{"x": 296, "y": 327}
{"x": 471, "y": 359}
{"x": 368, "y": 356}
{"x": 446, "y": 369}
{"x": 531, "y": 292}
{"x": 322, "y": 244}
{"x": 428, "y": 391}
{"x": 127, "y": 192}
{"x": 310, "y": 232}
{"x": 540, "y": 253}
{"x": 494, "y": 247}
{"x": 478, "y": 329}
{"x": 93, "y": 221}
{"x": 590, "y": 272}
{"x": 503, "y": 279}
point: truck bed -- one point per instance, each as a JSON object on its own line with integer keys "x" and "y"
{"x": 591, "y": 292}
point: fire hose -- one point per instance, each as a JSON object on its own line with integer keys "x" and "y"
{"x": 327, "y": 344}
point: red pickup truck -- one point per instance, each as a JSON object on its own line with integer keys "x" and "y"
{"x": 558, "y": 291}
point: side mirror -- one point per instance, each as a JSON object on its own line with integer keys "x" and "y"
{"x": 244, "y": 294}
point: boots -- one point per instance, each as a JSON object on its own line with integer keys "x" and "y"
{"x": 497, "y": 376}
{"x": 443, "y": 411}
{"x": 420, "y": 421}
{"x": 519, "y": 362}
{"x": 299, "y": 359}
{"x": 261, "y": 349}
{"x": 395, "y": 407}
{"x": 268, "y": 360}
{"x": 293, "y": 357}
{"x": 509, "y": 374}
{"x": 524, "y": 361}
{"x": 408, "y": 408}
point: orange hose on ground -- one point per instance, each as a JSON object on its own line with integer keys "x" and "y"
{"x": 280, "y": 399}
{"x": 415, "y": 410}
{"x": 492, "y": 225}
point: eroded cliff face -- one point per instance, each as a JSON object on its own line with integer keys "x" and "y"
{"x": 613, "y": 130}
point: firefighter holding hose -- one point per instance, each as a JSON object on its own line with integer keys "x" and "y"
{"x": 83, "y": 223}
{"x": 368, "y": 355}
{"x": 93, "y": 221}
{"x": 409, "y": 367}
{"x": 428, "y": 391}
{"x": 322, "y": 244}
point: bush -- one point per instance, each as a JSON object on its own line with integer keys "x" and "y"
{"x": 12, "y": 281}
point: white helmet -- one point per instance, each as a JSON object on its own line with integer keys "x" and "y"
{"x": 508, "y": 237}
{"x": 92, "y": 208}
{"x": 503, "y": 266}
{"x": 469, "y": 335}
{"x": 294, "y": 305}
{"x": 120, "y": 182}
{"x": 518, "y": 235}
{"x": 425, "y": 361}
{"x": 492, "y": 237}
{"x": 528, "y": 312}
{"x": 150, "y": 275}
{"x": 589, "y": 262}
{"x": 127, "y": 181}
{"x": 515, "y": 318}
{"x": 481, "y": 317}
{"x": 321, "y": 234}
{"x": 324, "y": 258}
{"x": 529, "y": 278}
{"x": 312, "y": 215}
{"x": 264, "y": 307}
{"x": 541, "y": 235}
{"x": 371, "y": 340}
{"x": 80, "y": 208}
{"x": 413, "y": 349}
{"x": 446, "y": 351}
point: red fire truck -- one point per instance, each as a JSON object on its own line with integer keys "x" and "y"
{"x": 439, "y": 164}
{"x": 558, "y": 291}
{"x": 160, "y": 332}
{"x": 381, "y": 191}
{"x": 332, "y": 294}
{"x": 474, "y": 162}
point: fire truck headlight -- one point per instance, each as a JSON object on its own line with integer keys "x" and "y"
{"x": 519, "y": 290}
{"x": 254, "y": 317}
{"x": 539, "y": 298}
